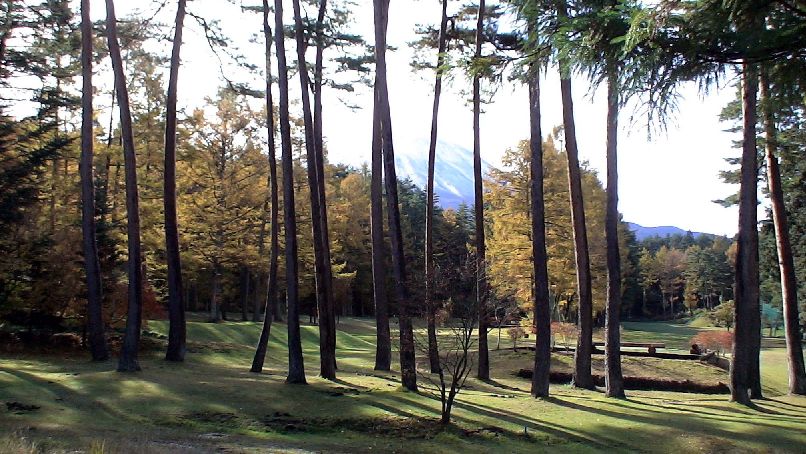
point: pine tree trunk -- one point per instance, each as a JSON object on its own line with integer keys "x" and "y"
{"x": 542, "y": 305}
{"x": 327, "y": 362}
{"x": 582, "y": 355}
{"x": 614, "y": 382}
{"x": 744, "y": 374}
{"x": 92, "y": 267}
{"x": 271, "y": 289}
{"x": 131, "y": 340}
{"x": 433, "y": 350}
{"x": 481, "y": 250}
{"x": 789, "y": 286}
{"x": 408, "y": 365}
{"x": 330, "y": 303}
{"x": 296, "y": 366}
{"x": 176, "y": 310}
{"x": 383, "y": 349}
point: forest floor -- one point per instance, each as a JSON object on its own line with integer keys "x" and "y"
{"x": 212, "y": 403}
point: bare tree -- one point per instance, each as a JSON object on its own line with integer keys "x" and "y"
{"x": 455, "y": 361}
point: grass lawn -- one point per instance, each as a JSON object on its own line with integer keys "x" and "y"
{"x": 212, "y": 403}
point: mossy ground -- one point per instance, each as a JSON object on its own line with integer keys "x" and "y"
{"x": 213, "y": 403}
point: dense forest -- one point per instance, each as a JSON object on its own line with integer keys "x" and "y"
{"x": 117, "y": 209}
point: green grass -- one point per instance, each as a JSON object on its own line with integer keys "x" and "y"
{"x": 211, "y": 402}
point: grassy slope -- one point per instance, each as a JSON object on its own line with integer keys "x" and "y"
{"x": 212, "y": 402}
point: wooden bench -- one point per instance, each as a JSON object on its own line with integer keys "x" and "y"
{"x": 651, "y": 347}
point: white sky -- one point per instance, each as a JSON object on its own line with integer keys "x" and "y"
{"x": 670, "y": 180}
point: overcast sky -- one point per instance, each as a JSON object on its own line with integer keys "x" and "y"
{"x": 668, "y": 180}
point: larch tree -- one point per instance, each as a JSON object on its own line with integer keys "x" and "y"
{"x": 408, "y": 364}
{"x": 131, "y": 340}
{"x": 433, "y": 349}
{"x": 176, "y": 308}
{"x": 92, "y": 266}
{"x": 274, "y": 235}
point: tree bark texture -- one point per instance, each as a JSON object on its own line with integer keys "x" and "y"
{"x": 271, "y": 289}
{"x": 481, "y": 250}
{"x": 327, "y": 362}
{"x": 614, "y": 382}
{"x": 433, "y": 350}
{"x": 786, "y": 263}
{"x": 383, "y": 349}
{"x": 542, "y": 305}
{"x": 176, "y": 309}
{"x": 408, "y": 365}
{"x": 95, "y": 321}
{"x": 319, "y": 148}
{"x": 296, "y": 366}
{"x": 131, "y": 340}
{"x": 582, "y": 356}
{"x": 747, "y": 320}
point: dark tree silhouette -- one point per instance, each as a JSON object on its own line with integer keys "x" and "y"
{"x": 92, "y": 267}
{"x": 131, "y": 340}
{"x": 176, "y": 309}
{"x": 271, "y": 290}
{"x": 433, "y": 350}
{"x": 296, "y": 366}
{"x": 481, "y": 250}
{"x": 408, "y": 365}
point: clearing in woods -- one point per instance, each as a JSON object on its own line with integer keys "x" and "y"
{"x": 59, "y": 402}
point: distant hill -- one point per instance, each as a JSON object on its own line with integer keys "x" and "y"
{"x": 641, "y": 232}
{"x": 453, "y": 178}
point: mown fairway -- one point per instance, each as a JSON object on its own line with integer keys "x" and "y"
{"x": 212, "y": 402}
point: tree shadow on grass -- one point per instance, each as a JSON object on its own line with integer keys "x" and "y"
{"x": 729, "y": 415}
{"x": 497, "y": 384}
{"x": 544, "y": 427}
{"x": 687, "y": 424}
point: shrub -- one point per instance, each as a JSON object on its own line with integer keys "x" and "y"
{"x": 722, "y": 315}
{"x": 716, "y": 341}
{"x": 515, "y": 334}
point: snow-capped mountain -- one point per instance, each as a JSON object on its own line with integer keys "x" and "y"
{"x": 453, "y": 172}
